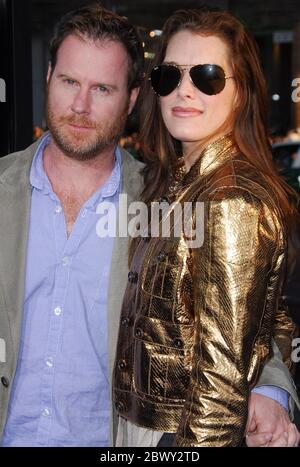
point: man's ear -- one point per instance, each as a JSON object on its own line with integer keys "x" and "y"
{"x": 132, "y": 99}
{"x": 49, "y": 72}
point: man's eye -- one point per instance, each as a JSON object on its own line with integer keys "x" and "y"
{"x": 71, "y": 82}
{"x": 102, "y": 88}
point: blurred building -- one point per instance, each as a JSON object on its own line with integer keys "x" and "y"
{"x": 15, "y": 72}
{"x": 26, "y": 24}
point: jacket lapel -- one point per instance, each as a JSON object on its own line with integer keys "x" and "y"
{"x": 132, "y": 187}
{"x": 15, "y": 195}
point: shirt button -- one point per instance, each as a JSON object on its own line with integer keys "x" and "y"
{"x": 49, "y": 362}
{"x": 5, "y": 381}
{"x": 58, "y": 209}
{"x": 57, "y": 311}
{"x": 65, "y": 261}
{"x": 46, "y": 412}
{"x": 83, "y": 214}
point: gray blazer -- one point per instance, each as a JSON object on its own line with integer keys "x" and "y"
{"x": 15, "y": 197}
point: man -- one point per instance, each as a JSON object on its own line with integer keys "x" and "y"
{"x": 61, "y": 284}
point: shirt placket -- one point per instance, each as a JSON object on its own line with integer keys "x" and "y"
{"x": 65, "y": 250}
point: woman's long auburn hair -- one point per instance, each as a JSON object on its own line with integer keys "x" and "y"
{"x": 249, "y": 121}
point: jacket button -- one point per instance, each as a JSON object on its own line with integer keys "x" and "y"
{"x": 138, "y": 333}
{"x": 119, "y": 406}
{"x": 161, "y": 256}
{"x": 163, "y": 199}
{"x": 178, "y": 343}
{"x": 125, "y": 322}
{"x": 132, "y": 277}
{"x": 5, "y": 382}
{"x": 122, "y": 365}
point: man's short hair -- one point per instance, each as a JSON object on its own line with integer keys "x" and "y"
{"x": 96, "y": 23}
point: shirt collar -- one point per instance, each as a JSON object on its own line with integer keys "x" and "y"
{"x": 110, "y": 187}
{"x": 39, "y": 179}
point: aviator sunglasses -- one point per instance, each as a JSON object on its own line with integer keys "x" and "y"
{"x": 209, "y": 79}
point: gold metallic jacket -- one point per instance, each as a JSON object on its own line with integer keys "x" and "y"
{"x": 196, "y": 323}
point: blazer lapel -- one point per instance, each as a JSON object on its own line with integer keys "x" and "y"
{"x": 131, "y": 186}
{"x": 15, "y": 195}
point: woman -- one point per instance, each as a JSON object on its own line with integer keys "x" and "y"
{"x": 197, "y": 322}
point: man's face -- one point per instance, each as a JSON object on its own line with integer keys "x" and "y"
{"x": 88, "y": 99}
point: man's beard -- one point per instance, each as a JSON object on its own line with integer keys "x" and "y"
{"x": 88, "y": 144}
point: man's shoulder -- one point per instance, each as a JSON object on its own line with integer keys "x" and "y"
{"x": 133, "y": 180}
{"x": 131, "y": 161}
{"x": 10, "y": 159}
{"x": 23, "y": 157}
{"x": 132, "y": 168}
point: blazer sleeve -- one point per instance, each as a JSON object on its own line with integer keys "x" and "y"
{"x": 276, "y": 373}
{"x": 236, "y": 281}
{"x": 285, "y": 330}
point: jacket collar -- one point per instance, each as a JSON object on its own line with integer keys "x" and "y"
{"x": 16, "y": 175}
{"x": 213, "y": 156}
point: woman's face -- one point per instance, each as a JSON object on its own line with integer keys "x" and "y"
{"x": 189, "y": 114}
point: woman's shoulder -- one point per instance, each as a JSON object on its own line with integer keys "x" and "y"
{"x": 239, "y": 190}
{"x": 238, "y": 178}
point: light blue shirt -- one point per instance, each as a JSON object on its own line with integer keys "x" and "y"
{"x": 60, "y": 394}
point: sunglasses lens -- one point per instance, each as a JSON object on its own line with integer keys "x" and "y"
{"x": 164, "y": 79}
{"x": 210, "y": 79}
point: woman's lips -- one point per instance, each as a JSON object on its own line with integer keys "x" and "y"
{"x": 186, "y": 112}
